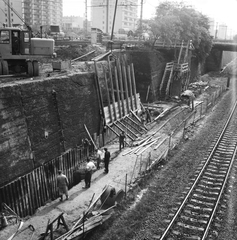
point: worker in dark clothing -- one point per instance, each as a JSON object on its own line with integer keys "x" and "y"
{"x": 106, "y": 160}
{"x": 148, "y": 116}
{"x": 121, "y": 140}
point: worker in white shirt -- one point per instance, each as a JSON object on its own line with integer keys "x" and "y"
{"x": 90, "y": 167}
{"x": 99, "y": 157}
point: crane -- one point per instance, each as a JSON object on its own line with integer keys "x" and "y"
{"x": 17, "y": 14}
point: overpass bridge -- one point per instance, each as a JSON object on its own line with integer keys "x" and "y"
{"x": 214, "y": 60}
{"x": 225, "y": 45}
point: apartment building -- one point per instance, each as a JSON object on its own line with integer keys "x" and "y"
{"x": 42, "y": 12}
{"x": 7, "y": 16}
{"x": 102, "y": 14}
{"x": 35, "y": 13}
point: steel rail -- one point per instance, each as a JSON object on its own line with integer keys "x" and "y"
{"x": 200, "y": 174}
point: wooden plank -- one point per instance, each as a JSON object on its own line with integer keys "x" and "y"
{"x": 36, "y": 188}
{"x": 115, "y": 133}
{"x": 19, "y": 198}
{"x": 12, "y": 193}
{"x": 32, "y": 190}
{"x": 134, "y": 85}
{"x": 112, "y": 88}
{"x": 23, "y": 197}
{"x": 130, "y": 125}
{"x": 29, "y": 195}
{"x": 5, "y": 195}
{"x": 101, "y": 104}
{"x": 126, "y": 88}
{"x": 130, "y": 86}
{"x": 108, "y": 97}
{"x": 121, "y": 85}
{"x": 11, "y": 199}
{"x": 129, "y": 130}
{"x": 117, "y": 89}
{"x": 116, "y": 125}
{"x": 43, "y": 184}
{"x": 89, "y": 135}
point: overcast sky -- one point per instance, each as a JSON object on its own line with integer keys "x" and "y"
{"x": 224, "y": 11}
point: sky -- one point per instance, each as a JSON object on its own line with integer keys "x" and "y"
{"x": 222, "y": 11}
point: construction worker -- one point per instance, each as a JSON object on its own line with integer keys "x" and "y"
{"x": 122, "y": 137}
{"x": 62, "y": 183}
{"x": 188, "y": 97}
{"x": 106, "y": 160}
{"x": 90, "y": 167}
{"x": 99, "y": 157}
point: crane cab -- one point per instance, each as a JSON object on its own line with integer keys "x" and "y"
{"x": 19, "y": 51}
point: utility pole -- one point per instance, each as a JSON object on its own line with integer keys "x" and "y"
{"x": 9, "y": 14}
{"x": 86, "y": 16}
{"x": 141, "y": 16}
{"x": 107, "y": 16}
{"x": 115, "y": 10}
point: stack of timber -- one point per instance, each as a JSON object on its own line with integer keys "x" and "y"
{"x": 144, "y": 144}
{"x": 92, "y": 218}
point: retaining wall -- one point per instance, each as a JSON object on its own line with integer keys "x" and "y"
{"x": 40, "y": 119}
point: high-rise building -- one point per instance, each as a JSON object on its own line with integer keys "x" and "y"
{"x": 102, "y": 14}
{"x": 35, "y": 13}
{"x": 38, "y": 13}
{"x": 7, "y": 15}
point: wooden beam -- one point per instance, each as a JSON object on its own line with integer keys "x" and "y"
{"x": 108, "y": 97}
{"x": 130, "y": 125}
{"x": 116, "y": 125}
{"x": 134, "y": 85}
{"x": 126, "y": 87}
{"x": 130, "y": 86}
{"x": 127, "y": 128}
{"x": 112, "y": 88}
{"x": 115, "y": 133}
{"x": 97, "y": 85}
{"x": 139, "y": 125}
{"x": 120, "y": 78}
{"x": 89, "y": 136}
{"x": 117, "y": 89}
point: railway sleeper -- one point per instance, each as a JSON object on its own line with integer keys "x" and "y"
{"x": 199, "y": 208}
{"x": 186, "y": 236}
{"x": 193, "y": 212}
{"x": 205, "y": 197}
{"x": 198, "y": 220}
{"x": 208, "y": 193}
{"x": 216, "y": 184}
{"x": 212, "y": 179}
{"x": 199, "y": 202}
{"x": 190, "y": 227}
{"x": 210, "y": 190}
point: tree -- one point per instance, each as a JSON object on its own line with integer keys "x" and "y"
{"x": 176, "y": 21}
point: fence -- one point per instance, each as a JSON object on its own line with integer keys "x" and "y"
{"x": 145, "y": 161}
{"x": 35, "y": 189}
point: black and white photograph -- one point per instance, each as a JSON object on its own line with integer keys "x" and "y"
{"x": 118, "y": 120}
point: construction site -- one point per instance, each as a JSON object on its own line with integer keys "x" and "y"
{"x": 74, "y": 107}
{"x": 61, "y": 101}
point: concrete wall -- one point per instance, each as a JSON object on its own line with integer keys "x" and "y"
{"x": 29, "y": 110}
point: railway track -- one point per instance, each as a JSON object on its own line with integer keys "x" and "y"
{"x": 194, "y": 216}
